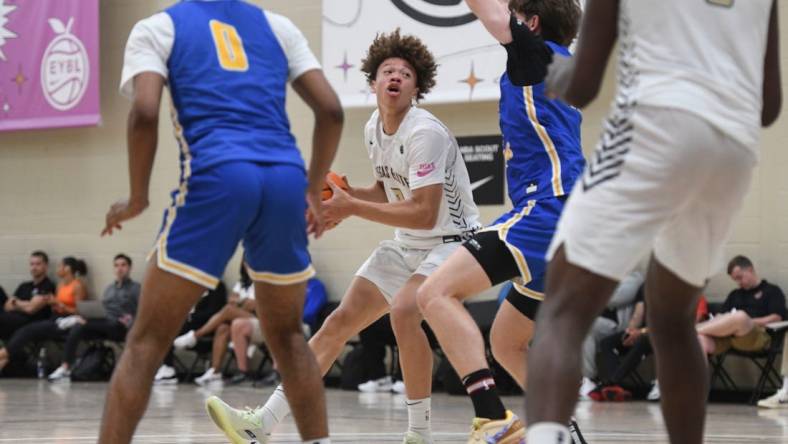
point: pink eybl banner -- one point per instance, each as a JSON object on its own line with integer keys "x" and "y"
{"x": 49, "y": 63}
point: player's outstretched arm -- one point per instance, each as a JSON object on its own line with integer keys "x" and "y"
{"x": 494, "y": 15}
{"x": 577, "y": 81}
{"x": 142, "y": 138}
{"x": 314, "y": 89}
{"x": 772, "y": 89}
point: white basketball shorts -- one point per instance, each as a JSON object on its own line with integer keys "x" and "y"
{"x": 661, "y": 180}
{"x": 392, "y": 264}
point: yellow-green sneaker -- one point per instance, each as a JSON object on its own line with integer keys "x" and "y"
{"x": 509, "y": 430}
{"x": 240, "y": 426}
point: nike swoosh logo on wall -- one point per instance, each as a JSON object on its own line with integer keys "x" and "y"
{"x": 479, "y": 183}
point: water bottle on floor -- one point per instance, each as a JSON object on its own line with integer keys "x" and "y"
{"x": 41, "y": 371}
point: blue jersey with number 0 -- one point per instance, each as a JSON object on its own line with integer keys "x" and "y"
{"x": 228, "y": 80}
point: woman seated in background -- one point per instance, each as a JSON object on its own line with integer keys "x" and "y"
{"x": 240, "y": 304}
{"x": 70, "y": 289}
{"x": 120, "y": 302}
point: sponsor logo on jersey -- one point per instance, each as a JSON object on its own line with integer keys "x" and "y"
{"x": 425, "y": 169}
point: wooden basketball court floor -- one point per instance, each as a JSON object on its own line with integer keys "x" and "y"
{"x": 69, "y": 413}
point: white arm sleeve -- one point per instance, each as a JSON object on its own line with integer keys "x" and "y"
{"x": 147, "y": 50}
{"x": 300, "y": 58}
{"x": 427, "y": 151}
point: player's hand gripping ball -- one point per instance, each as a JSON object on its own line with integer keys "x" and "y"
{"x": 336, "y": 179}
{"x": 327, "y": 192}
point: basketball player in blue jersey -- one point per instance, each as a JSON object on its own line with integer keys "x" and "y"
{"x": 544, "y": 157}
{"x": 226, "y": 64}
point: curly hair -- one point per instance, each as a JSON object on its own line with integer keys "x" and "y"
{"x": 560, "y": 19}
{"x": 407, "y": 47}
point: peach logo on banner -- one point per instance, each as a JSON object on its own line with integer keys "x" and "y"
{"x": 65, "y": 68}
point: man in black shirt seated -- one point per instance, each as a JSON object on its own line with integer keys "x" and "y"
{"x": 30, "y": 300}
{"x": 746, "y": 312}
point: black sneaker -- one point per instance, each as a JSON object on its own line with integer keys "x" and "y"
{"x": 574, "y": 432}
{"x": 270, "y": 380}
{"x": 239, "y": 378}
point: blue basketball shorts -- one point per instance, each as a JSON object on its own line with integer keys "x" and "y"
{"x": 527, "y": 231}
{"x": 262, "y": 205}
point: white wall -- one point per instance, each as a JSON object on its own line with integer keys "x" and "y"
{"x": 56, "y": 185}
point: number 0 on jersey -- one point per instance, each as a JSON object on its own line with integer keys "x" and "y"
{"x": 229, "y": 47}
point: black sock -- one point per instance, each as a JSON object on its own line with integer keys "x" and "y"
{"x": 480, "y": 385}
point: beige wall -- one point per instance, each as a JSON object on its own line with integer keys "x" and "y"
{"x": 56, "y": 185}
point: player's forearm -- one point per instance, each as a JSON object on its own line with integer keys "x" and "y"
{"x": 373, "y": 193}
{"x": 598, "y": 35}
{"x": 325, "y": 140}
{"x": 143, "y": 132}
{"x": 494, "y": 15}
{"x": 772, "y": 88}
{"x": 403, "y": 214}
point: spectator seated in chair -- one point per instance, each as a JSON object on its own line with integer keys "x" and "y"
{"x": 745, "y": 313}
{"x": 211, "y": 302}
{"x": 119, "y": 301}
{"x": 70, "y": 290}
{"x": 246, "y": 333}
{"x": 613, "y": 321}
{"x": 29, "y": 302}
{"x": 621, "y": 353}
{"x": 240, "y": 304}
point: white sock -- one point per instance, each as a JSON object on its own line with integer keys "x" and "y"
{"x": 275, "y": 409}
{"x": 318, "y": 441}
{"x": 419, "y": 416}
{"x": 784, "y": 388}
{"x": 548, "y": 433}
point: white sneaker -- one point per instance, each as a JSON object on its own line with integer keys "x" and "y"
{"x": 60, "y": 373}
{"x": 165, "y": 375}
{"x": 776, "y": 401}
{"x": 654, "y": 394}
{"x": 415, "y": 438}
{"x": 398, "y": 387}
{"x": 240, "y": 426}
{"x": 377, "y": 385}
{"x": 208, "y": 377}
{"x": 585, "y": 388}
{"x": 186, "y": 340}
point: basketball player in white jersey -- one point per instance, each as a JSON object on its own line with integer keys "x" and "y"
{"x": 422, "y": 188}
{"x": 697, "y": 80}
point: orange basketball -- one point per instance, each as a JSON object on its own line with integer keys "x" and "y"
{"x": 337, "y": 180}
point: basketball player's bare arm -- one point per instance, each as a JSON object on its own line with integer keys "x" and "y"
{"x": 372, "y": 193}
{"x": 494, "y": 15}
{"x": 577, "y": 80}
{"x": 314, "y": 89}
{"x": 142, "y": 138}
{"x": 772, "y": 89}
{"x": 420, "y": 212}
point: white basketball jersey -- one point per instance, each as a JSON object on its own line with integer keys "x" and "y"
{"x": 701, "y": 56}
{"x": 423, "y": 152}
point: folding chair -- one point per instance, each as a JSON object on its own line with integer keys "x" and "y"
{"x": 763, "y": 359}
